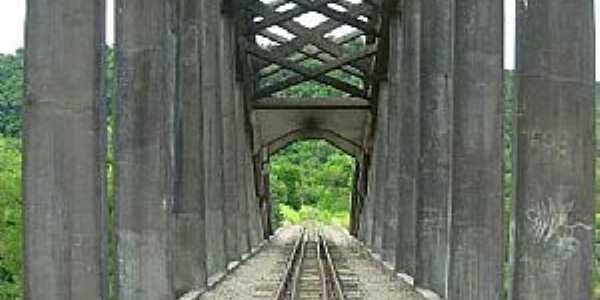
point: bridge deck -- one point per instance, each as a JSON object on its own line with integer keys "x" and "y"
{"x": 253, "y": 279}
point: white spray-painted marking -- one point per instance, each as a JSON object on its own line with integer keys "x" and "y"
{"x": 550, "y": 226}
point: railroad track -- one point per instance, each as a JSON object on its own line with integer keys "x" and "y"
{"x": 311, "y": 272}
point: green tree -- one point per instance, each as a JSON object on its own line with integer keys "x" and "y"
{"x": 11, "y": 276}
{"x": 11, "y": 93}
{"x": 312, "y": 180}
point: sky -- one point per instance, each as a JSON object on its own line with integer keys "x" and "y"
{"x": 12, "y": 22}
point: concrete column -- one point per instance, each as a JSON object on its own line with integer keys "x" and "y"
{"x": 243, "y": 188}
{"x": 190, "y": 244}
{"x": 404, "y": 131}
{"x": 363, "y": 191}
{"x": 476, "y": 251}
{"x": 230, "y": 163}
{"x": 553, "y": 147}
{"x": 64, "y": 151}
{"x": 144, "y": 143}
{"x": 380, "y": 156}
{"x": 369, "y": 203}
{"x": 436, "y": 148}
{"x": 213, "y": 141}
{"x": 256, "y": 225}
{"x": 363, "y": 229}
{"x": 263, "y": 193}
{"x": 356, "y": 201}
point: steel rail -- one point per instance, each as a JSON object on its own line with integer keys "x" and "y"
{"x": 291, "y": 263}
{"x": 298, "y": 269}
{"x": 324, "y": 292}
{"x": 301, "y": 268}
{"x": 333, "y": 275}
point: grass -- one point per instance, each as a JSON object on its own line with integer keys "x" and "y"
{"x": 308, "y": 213}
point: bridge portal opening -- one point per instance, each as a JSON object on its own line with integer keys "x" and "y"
{"x": 311, "y": 181}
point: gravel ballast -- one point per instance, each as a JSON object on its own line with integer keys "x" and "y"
{"x": 256, "y": 278}
{"x": 375, "y": 284}
{"x": 250, "y": 280}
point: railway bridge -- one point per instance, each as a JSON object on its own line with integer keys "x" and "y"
{"x": 202, "y": 99}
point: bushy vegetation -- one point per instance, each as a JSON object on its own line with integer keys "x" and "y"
{"x": 11, "y": 94}
{"x": 11, "y": 98}
{"x": 311, "y": 180}
{"x": 11, "y": 275}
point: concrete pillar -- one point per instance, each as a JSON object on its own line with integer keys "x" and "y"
{"x": 363, "y": 192}
{"x": 64, "y": 151}
{"x": 553, "y": 147}
{"x": 476, "y": 251}
{"x": 213, "y": 141}
{"x": 190, "y": 251}
{"x": 243, "y": 168}
{"x": 230, "y": 163}
{"x": 356, "y": 200}
{"x": 436, "y": 128}
{"x": 404, "y": 131}
{"x": 144, "y": 143}
{"x": 256, "y": 224}
{"x": 389, "y": 164}
{"x": 262, "y": 188}
{"x": 369, "y": 203}
{"x": 380, "y": 156}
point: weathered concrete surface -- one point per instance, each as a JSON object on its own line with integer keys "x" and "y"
{"x": 434, "y": 167}
{"x": 230, "y": 164}
{"x": 476, "y": 250}
{"x": 242, "y": 188}
{"x": 144, "y": 142}
{"x": 190, "y": 245}
{"x": 64, "y": 151}
{"x": 405, "y": 35}
{"x": 379, "y": 169}
{"x": 367, "y": 222}
{"x": 389, "y": 183}
{"x": 257, "y": 224}
{"x": 554, "y": 134}
{"x": 342, "y": 123}
{"x": 362, "y": 190}
{"x": 213, "y": 140}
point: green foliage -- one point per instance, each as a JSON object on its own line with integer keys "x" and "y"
{"x": 597, "y": 244}
{"x": 11, "y": 275}
{"x": 310, "y": 213}
{"x": 508, "y": 185}
{"x": 312, "y": 180}
{"x": 11, "y": 94}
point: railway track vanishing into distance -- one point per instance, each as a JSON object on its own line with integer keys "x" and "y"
{"x": 315, "y": 271}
